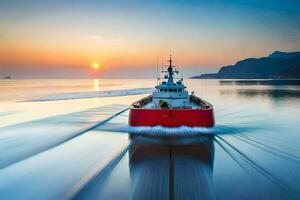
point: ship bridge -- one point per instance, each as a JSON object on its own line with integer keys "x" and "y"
{"x": 174, "y": 93}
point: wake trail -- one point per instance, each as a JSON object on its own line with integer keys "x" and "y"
{"x": 262, "y": 146}
{"x": 234, "y": 158}
{"x": 97, "y": 173}
{"x": 268, "y": 175}
{"x": 74, "y": 135}
{"x": 93, "y": 94}
{"x": 267, "y": 148}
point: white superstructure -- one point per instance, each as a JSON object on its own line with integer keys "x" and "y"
{"x": 174, "y": 93}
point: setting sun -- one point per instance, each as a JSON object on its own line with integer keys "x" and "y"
{"x": 95, "y": 65}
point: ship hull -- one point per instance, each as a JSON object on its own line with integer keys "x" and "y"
{"x": 172, "y": 117}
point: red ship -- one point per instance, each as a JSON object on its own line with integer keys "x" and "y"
{"x": 171, "y": 105}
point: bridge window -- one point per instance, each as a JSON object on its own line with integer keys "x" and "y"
{"x": 179, "y": 90}
{"x": 170, "y": 90}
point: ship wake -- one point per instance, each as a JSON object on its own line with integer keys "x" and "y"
{"x": 93, "y": 94}
{"x": 176, "y": 131}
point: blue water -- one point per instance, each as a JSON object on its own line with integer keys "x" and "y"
{"x": 69, "y": 139}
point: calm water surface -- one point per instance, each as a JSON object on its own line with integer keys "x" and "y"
{"x": 69, "y": 139}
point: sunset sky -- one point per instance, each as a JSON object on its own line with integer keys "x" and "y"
{"x": 126, "y": 39}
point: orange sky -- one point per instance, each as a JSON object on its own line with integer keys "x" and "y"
{"x": 36, "y": 37}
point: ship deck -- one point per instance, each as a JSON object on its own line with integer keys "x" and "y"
{"x": 194, "y": 103}
{"x": 191, "y": 105}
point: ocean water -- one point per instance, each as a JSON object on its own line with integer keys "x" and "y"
{"x": 69, "y": 139}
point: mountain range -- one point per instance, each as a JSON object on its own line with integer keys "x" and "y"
{"x": 278, "y": 65}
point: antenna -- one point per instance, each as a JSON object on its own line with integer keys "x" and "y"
{"x": 157, "y": 70}
{"x": 162, "y": 65}
{"x": 170, "y": 61}
{"x": 181, "y": 68}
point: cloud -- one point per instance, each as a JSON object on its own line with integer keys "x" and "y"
{"x": 107, "y": 39}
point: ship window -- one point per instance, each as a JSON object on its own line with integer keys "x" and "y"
{"x": 165, "y": 90}
{"x": 175, "y": 90}
{"x": 170, "y": 90}
{"x": 179, "y": 90}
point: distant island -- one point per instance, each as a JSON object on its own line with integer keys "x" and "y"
{"x": 7, "y": 77}
{"x": 278, "y": 65}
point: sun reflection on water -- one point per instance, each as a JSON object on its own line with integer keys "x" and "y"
{"x": 96, "y": 83}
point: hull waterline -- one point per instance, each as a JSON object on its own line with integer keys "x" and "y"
{"x": 171, "y": 117}
{"x": 203, "y": 116}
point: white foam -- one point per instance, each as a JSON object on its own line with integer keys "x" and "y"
{"x": 94, "y": 94}
{"x": 161, "y": 131}
{"x": 176, "y": 131}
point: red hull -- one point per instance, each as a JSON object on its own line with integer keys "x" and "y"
{"x": 172, "y": 117}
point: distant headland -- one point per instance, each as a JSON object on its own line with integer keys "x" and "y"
{"x": 278, "y": 65}
{"x": 7, "y": 77}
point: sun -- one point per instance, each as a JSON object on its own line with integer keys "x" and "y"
{"x": 95, "y": 65}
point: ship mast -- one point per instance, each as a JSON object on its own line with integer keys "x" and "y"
{"x": 170, "y": 71}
